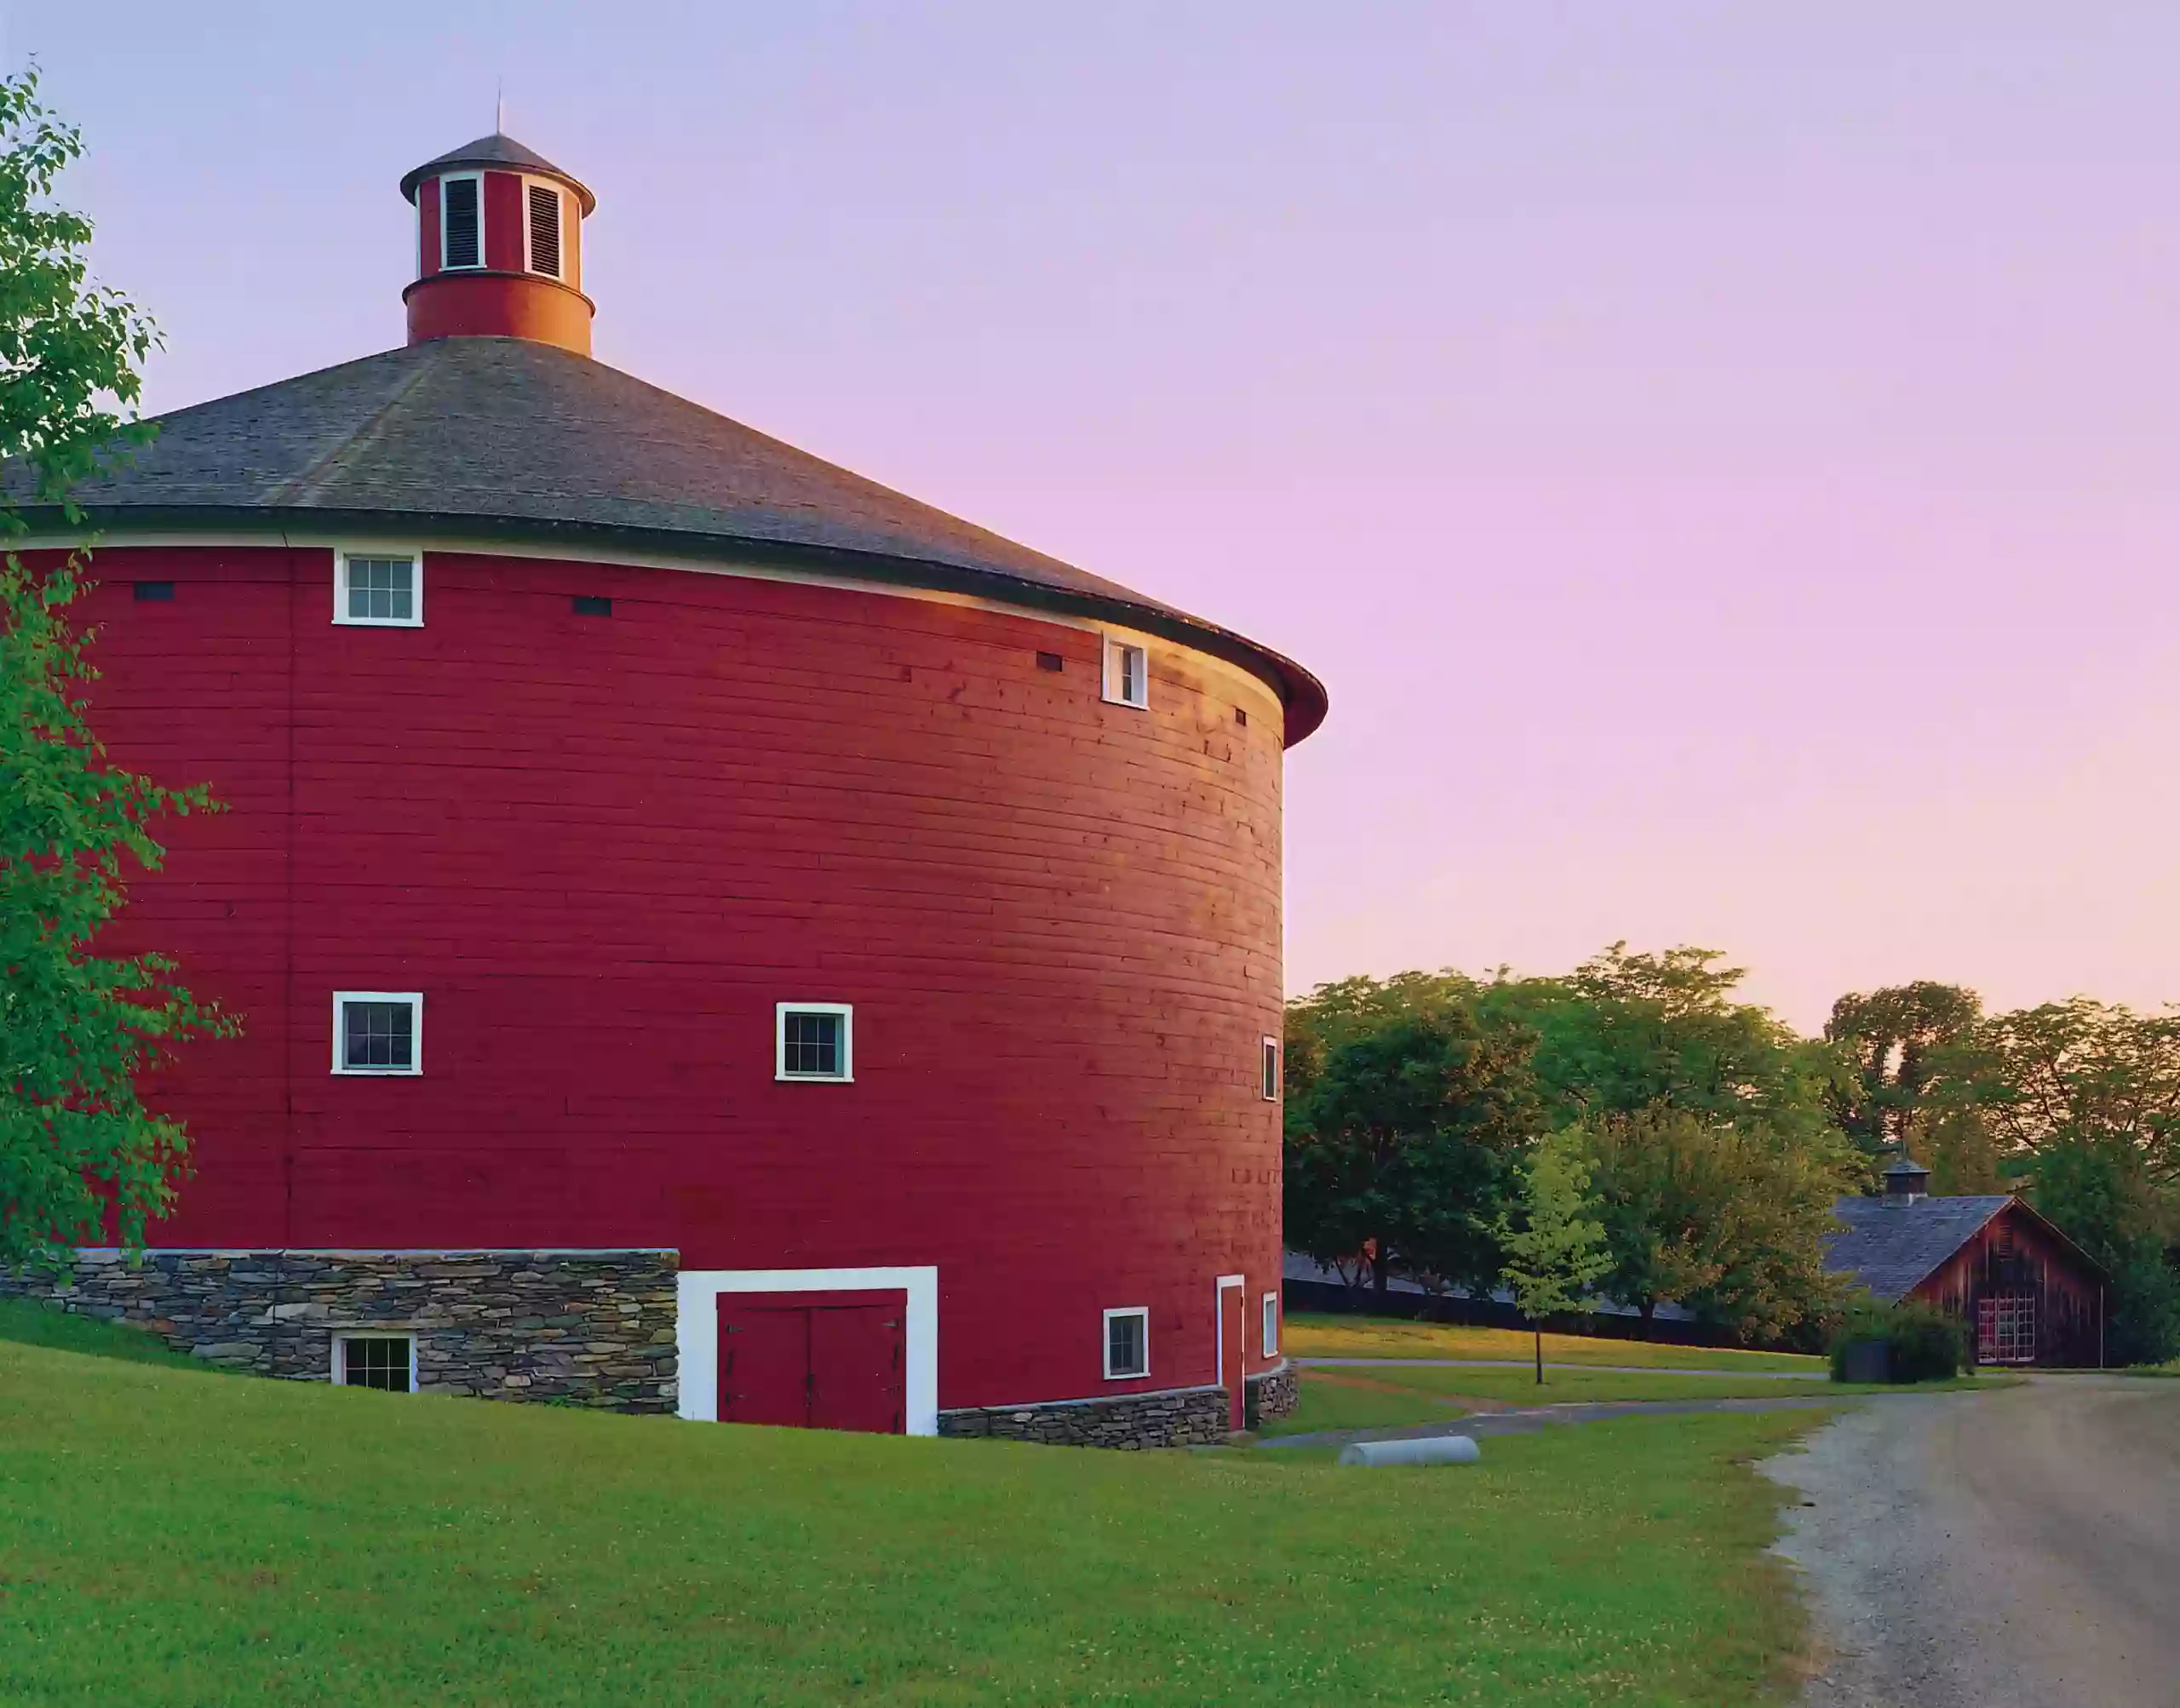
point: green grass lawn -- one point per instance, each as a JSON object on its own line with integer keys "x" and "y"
{"x": 30, "y": 1324}
{"x": 170, "y": 1536}
{"x": 1311, "y": 1335}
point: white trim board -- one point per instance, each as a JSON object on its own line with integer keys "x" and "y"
{"x": 1239, "y": 1284}
{"x": 697, "y": 1329}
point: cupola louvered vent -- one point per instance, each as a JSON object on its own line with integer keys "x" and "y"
{"x": 460, "y": 228}
{"x": 545, "y": 230}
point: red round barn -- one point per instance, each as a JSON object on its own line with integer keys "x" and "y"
{"x": 710, "y": 931}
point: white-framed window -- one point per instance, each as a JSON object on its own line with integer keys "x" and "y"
{"x": 1271, "y": 1314}
{"x": 379, "y": 586}
{"x": 461, "y": 220}
{"x": 1127, "y": 1342}
{"x": 1268, "y": 1070}
{"x": 378, "y": 1032}
{"x": 1127, "y": 674}
{"x": 816, "y": 1040}
{"x": 381, "y": 1359}
{"x": 540, "y": 228}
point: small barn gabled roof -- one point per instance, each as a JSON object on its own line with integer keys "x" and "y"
{"x": 1889, "y": 1245}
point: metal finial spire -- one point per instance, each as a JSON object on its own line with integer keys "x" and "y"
{"x": 500, "y": 108}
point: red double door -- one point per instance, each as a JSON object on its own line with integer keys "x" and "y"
{"x": 814, "y": 1360}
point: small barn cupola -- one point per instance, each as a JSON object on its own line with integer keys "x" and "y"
{"x": 499, "y": 247}
{"x": 1906, "y": 1181}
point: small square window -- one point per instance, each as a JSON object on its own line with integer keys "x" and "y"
{"x": 378, "y": 1032}
{"x": 1241, "y": 718}
{"x": 1128, "y": 674}
{"x": 386, "y": 1361}
{"x": 379, "y": 589}
{"x": 1268, "y": 1081}
{"x": 154, "y": 593}
{"x": 1051, "y": 661}
{"x": 590, "y": 604}
{"x": 1128, "y": 1343}
{"x": 816, "y": 1041}
{"x": 1272, "y": 1325}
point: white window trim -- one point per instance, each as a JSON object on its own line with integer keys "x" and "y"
{"x": 846, "y": 1010}
{"x": 1115, "y": 645}
{"x": 414, "y": 999}
{"x": 342, "y": 554}
{"x": 561, "y": 277}
{"x": 478, "y": 179}
{"x": 338, "y": 1371}
{"x": 695, "y": 1332}
{"x": 1269, "y": 1053}
{"x": 1268, "y": 1324}
{"x": 1105, "y": 1343}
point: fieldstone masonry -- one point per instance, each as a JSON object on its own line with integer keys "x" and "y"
{"x": 591, "y": 1328}
{"x": 1176, "y": 1418}
{"x": 1273, "y": 1394}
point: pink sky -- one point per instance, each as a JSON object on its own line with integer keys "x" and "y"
{"x": 1720, "y": 457}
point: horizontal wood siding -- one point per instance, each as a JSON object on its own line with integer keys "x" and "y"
{"x": 604, "y": 848}
{"x": 2014, "y": 1254}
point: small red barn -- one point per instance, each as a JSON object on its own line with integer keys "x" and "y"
{"x": 2032, "y": 1295}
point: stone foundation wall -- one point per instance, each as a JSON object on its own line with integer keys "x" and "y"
{"x": 1177, "y": 1417}
{"x": 592, "y": 1328}
{"x": 1273, "y": 1394}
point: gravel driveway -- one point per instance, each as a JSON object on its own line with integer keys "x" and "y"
{"x": 2011, "y": 1549}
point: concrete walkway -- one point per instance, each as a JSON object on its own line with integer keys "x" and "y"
{"x": 1550, "y": 1364}
{"x": 1528, "y": 1419}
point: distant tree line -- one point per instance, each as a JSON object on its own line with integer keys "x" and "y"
{"x": 1709, "y": 1140}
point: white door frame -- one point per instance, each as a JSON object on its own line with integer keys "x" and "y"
{"x": 696, "y": 1329}
{"x": 1239, "y": 1284}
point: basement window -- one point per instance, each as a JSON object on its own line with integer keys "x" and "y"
{"x": 1271, "y": 1325}
{"x": 1128, "y": 674}
{"x": 1268, "y": 1070}
{"x": 815, "y": 1041}
{"x": 1128, "y": 1343}
{"x": 543, "y": 204}
{"x": 154, "y": 593}
{"x": 462, "y": 222}
{"x": 378, "y": 1032}
{"x": 379, "y": 588}
{"x": 385, "y": 1361}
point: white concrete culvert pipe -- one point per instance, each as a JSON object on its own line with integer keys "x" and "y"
{"x": 1421, "y": 1450}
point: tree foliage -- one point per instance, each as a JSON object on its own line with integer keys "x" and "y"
{"x": 1899, "y": 1041}
{"x": 80, "y": 1155}
{"x": 1555, "y": 1250}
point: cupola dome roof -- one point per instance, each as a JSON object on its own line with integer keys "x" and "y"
{"x": 501, "y": 151}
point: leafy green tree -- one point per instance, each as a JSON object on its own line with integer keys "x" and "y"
{"x": 1897, "y": 1040}
{"x": 1404, "y": 1127}
{"x": 1557, "y": 1251}
{"x": 79, "y": 1153}
{"x": 2095, "y": 1190}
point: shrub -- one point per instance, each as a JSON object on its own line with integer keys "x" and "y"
{"x": 1922, "y": 1342}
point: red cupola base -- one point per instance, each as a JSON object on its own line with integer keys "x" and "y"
{"x": 498, "y": 304}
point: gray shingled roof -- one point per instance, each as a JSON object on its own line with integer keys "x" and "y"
{"x": 498, "y": 149}
{"x": 1889, "y": 1244}
{"x": 505, "y": 438}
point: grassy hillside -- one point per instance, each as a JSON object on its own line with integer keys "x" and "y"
{"x": 168, "y": 1536}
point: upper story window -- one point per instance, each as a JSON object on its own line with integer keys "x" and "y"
{"x": 1128, "y": 674}
{"x": 461, "y": 220}
{"x": 379, "y": 588}
{"x": 541, "y": 206}
{"x": 1268, "y": 1071}
{"x": 378, "y": 1032}
{"x": 1127, "y": 1342}
{"x": 815, "y": 1041}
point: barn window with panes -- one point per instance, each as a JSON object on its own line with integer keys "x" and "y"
{"x": 1128, "y": 674}
{"x": 386, "y": 1361}
{"x": 1128, "y": 1343}
{"x": 1268, "y": 1071}
{"x": 461, "y": 222}
{"x": 544, "y": 230}
{"x": 378, "y": 1032}
{"x": 815, "y": 1041}
{"x": 378, "y": 589}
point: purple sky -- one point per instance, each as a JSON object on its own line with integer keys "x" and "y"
{"x": 1721, "y": 459}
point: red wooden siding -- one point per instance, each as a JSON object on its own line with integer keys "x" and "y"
{"x": 2015, "y": 1254}
{"x": 428, "y": 227}
{"x": 604, "y": 847}
{"x": 502, "y": 203}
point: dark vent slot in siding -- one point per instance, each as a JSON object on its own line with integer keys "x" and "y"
{"x": 545, "y": 230}
{"x": 148, "y": 593}
{"x": 1241, "y": 718}
{"x": 1049, "y": 661}
{"x": 460, "y": 221}
{"x": 589, "y": 605}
